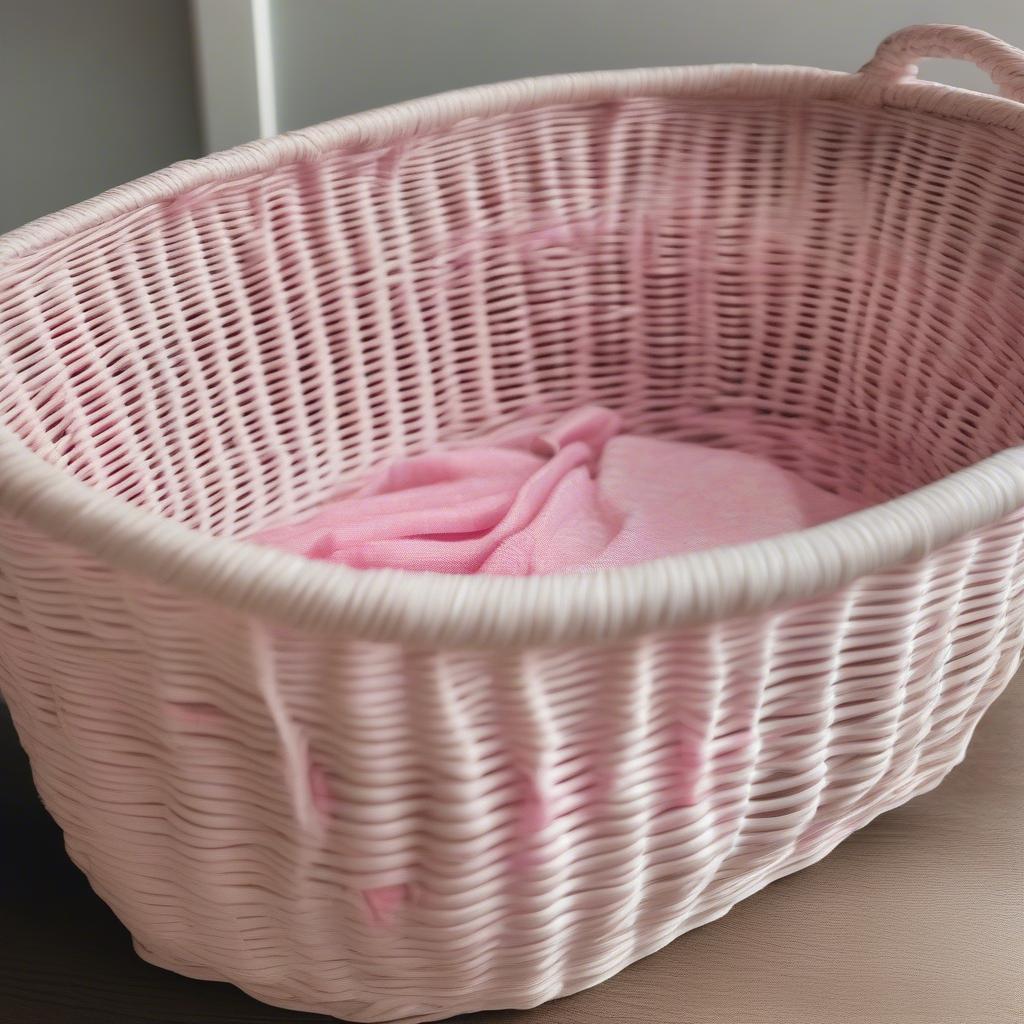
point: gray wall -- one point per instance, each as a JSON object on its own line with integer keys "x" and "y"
{"x": 97, "y": 92}
{"x": 93, "y": 93}
{"x": 335, "y": 57}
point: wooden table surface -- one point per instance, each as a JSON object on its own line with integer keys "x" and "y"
{"x": 916, "y": 919}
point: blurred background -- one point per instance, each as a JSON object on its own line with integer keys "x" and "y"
{"x": 97, "y": 92}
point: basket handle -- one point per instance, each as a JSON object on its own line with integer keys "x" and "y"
{"x": 896, "y": 56}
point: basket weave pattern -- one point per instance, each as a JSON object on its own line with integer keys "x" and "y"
{"x": 401, "y": 797}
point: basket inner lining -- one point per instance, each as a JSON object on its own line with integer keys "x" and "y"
{"x": 836, "y": 288}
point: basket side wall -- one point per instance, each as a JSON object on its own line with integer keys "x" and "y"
{"x": 384, "y": 833}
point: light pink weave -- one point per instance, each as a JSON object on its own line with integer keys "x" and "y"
{"x": 576, "y": 496}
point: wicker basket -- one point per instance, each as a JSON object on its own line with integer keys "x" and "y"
{"x": 392, "y": 796}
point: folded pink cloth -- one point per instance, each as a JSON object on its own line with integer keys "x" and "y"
{"x": 577, "y": 496}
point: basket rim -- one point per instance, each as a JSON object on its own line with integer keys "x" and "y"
{"x": 438, "y": 609}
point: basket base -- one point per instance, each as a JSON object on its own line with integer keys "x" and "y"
{"x": 378, "y": 1012}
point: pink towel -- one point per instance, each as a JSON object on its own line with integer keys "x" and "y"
{"x": 575, "y": 497}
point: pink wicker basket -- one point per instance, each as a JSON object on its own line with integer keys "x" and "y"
{"x": 388, "y": 795}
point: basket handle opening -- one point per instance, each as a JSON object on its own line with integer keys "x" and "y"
{"x": 896, "y": 58}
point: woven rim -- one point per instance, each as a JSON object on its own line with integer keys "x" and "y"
{"x": 433, "y": 608}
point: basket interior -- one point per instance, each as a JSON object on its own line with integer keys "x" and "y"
{"x": 838, "y": 288}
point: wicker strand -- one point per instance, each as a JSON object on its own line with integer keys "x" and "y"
{"x": 897, "y": 55}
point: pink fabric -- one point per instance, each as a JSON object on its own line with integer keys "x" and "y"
{"x": 578, "y": 496}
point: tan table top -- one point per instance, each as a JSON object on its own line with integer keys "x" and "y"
{"x": 916, "y": 919}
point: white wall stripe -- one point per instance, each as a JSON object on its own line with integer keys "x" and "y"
{"x": 263, "y": 50}
{"x": 234, "y": 51}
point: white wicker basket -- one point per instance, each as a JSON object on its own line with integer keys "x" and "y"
{"x": 385, "y": 795}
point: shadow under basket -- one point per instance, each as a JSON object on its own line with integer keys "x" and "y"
{"x": 399, "y": 796}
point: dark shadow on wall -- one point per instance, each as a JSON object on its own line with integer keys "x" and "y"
{"x": 66, "y": 959}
